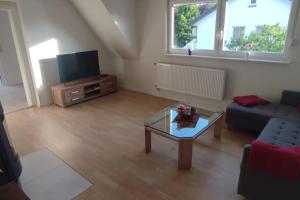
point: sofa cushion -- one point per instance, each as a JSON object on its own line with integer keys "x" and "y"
{"x": 264, "y": 112}
{"x": 281, "y": 132}
{"x": 250, "y": 100}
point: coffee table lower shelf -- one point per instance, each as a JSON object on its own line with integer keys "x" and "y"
{"x": 185, "y": 145}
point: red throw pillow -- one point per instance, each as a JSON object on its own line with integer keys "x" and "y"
{"x": 250, "y": 100}
{"x": 283, "y": 162}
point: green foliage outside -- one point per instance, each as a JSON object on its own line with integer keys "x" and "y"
{"x": 271, "y": 38}
{"x": 183, "y": 16}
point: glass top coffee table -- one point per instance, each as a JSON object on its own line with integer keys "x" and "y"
{"x": 164, "y": 124}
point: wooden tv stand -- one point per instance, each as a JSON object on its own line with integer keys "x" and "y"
{"x": 72, "y": 93}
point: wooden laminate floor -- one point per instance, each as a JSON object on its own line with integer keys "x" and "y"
{"x": 103, "y": 140}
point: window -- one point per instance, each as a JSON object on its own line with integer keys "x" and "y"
{"x": 185, "y": 31}
{"x": 228, "y": 28}
{"x": 238, "y": 32}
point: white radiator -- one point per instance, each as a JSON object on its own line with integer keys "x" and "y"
{"x": 204, "y": 82}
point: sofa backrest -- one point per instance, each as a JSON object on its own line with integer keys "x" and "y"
{"x": 291, "y": 98}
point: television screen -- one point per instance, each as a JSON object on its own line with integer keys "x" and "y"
{"x": 77, "y": 66}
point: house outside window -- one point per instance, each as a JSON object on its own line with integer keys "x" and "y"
{"x": 252, "y": 3}
{"x": 218, "y": 25}
{"x": 238, "y": 32}
{"x": 259, "y": 29}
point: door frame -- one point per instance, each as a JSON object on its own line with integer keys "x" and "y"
{"x": 12, "y": 6}
{"x": 2, "y": 75}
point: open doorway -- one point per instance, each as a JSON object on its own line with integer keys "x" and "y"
{"x": 16, "y": 84}
{"x": 12, "y": 92}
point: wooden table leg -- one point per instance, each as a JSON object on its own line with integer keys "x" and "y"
{"x": 185, "y": 153}
{"x": 147, "y": 141}
{"x": 218, "y": 127}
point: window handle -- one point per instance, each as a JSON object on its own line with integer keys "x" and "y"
{"x": 247, "y": 55}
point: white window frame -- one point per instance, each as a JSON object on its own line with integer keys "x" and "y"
{"x": 218, "y": 51}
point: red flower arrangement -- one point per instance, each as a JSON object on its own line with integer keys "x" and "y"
{"x": 185, "y": 110}
{"x": 187, "y": 116}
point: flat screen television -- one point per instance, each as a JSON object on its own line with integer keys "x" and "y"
{"x": 78, "y": 65}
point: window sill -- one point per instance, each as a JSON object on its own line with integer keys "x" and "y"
{"x": 286, "y": 62}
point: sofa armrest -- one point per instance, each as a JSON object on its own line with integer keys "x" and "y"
{"x": 291, "y": 98}
{"x": 245, "y": 155}
{"x": 254, "y": 184}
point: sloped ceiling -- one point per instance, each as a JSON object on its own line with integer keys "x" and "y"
{"x": 114, "y": 23}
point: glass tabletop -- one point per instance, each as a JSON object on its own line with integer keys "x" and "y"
{"x": 166, "y": 122}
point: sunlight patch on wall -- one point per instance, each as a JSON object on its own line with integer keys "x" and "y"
{"x": 47, "y": 49}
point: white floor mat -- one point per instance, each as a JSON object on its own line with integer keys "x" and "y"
{"x": 46, "y": 177}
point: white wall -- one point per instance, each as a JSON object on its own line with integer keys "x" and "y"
{"x": 57, "y": 20}
{"x": 1, "y": 67}
{"x": 114, "y": 23}
{"x": 1, "y": 73}
{"x": 264, "y": 79}
{"x": 11, "y": 74}
{"x": 124, "y": 14}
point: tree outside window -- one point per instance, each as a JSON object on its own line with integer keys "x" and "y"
{"x": 270, "y": 38}
{"x": 184, "y": 14}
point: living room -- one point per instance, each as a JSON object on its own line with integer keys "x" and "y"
{"x": 102, "y": 144}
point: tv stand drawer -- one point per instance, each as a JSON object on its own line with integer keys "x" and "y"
{"x": 75, "y": 96}
{"x": 73, "y": 100}
{"x": 74, "y": 92}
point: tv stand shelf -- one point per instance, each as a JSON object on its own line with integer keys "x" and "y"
{"x": 72, "y": 93}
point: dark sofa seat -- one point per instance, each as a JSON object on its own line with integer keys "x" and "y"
{"x": 256, "y": 117}
{"x": 256, "y": 185}
{"x": 281, "y": 132}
